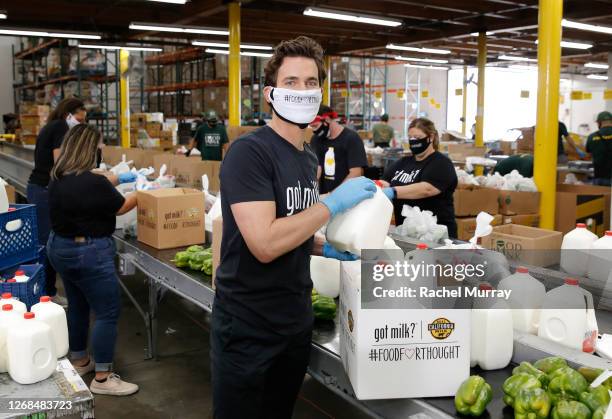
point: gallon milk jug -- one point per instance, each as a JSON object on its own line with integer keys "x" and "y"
{"x": 18, "y": 306}
{"x": 330, "y": 162}
{"x": 600, "y": 258}
{"x": 7, "y": 318}
{"x": 31, "y": 352}
{"x": 574, "y": 326}
{"x": 364, "y": 226}
{"x": 55, "y": 317}
{"x": 492, "y": 339}
{"x": 325, "y": 274}
{"x": 20, "y": 276}
{"x": 423, "y": 257}
{"x": 575, "y": 250}
{"x": 525, "y": 300}
{"x": 4, "y": 203}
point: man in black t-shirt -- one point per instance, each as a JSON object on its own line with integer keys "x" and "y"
{"x": 262, "y": 315}
{"x": 340, "y": 151}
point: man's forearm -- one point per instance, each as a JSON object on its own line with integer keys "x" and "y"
{"x": 416, "y": 191}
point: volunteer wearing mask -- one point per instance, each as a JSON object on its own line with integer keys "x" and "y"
{"x": 210, "y": 139}
{"x": 382, "y": 133}
{"x": 599, "y": 144}
{"x": 427, "y": 179}
{"x": 68, "y": 113}
{"x": 84, "y": 206}
{"x": 262, "y": 317}
{"x": 339, "y": 149}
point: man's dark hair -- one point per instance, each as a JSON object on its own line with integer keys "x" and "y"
{"x": 66, "y": 106}
{"x": 302, "y": 46}
{"x": 384, "y": 117}
{"x": 323, "y": 109}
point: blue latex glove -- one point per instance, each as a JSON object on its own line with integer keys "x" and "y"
{"x": 331, "y": 252}
{"x": 127, "y": 177}
{"x": 581, "y": 154}
{"x": 349, "y": 194}
{"x": 390, "y": 192}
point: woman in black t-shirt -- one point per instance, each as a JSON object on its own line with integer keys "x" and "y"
{"x": 427, "y": 179}
{"x": 84, "y": 206}
{"x": 68, "y": 113}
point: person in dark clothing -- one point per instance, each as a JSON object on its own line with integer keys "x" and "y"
{"x": 523, "y": 163}
{"x": 427, "y": 179}
{"x": 68, "y": 113}
{"x": 564, "y": 135}
{"x": 210, "y": 138}
{"x": 262, "y": 314}
{"x": 83, "y": 209}
{"x": 339, "y": 149}
{"x": 599, "y": 144}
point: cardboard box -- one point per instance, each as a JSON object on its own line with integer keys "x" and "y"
{"x": 467, "y": 226}
{"x": 460, "y": 151}
{"x": 529, "y": 245}
{"x": 399, "y": 355}
{"x": 11, "y": 194}
{"x": 237, "y": 132}
{"x": 169, "y": 218}
{"x": 530, "y": 220}
{"x": 112, "y": 155}
{"x": 28, "y": 108}
{"x": 28, "y": 139}
{"x": 153, "y": 129}
{"x": 453, "y": 136}
{"x": 189, "y": 171}
{"x": 165, "y": 144}
{"x": 213, "y": 178}
{"x": 471, "y": 200}
{"x": 583, "y": 204}
{"x": 518, "y": 202}
{"x": 164, "y": 158}
{"x": 525, "y": 143}
{"x": 217, "y": 233}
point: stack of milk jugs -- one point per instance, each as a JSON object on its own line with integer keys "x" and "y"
{"x": 31, "y": 342}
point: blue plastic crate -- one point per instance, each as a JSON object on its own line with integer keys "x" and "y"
{"x": 21, "y": 245}
{"x": 29, "y": 292}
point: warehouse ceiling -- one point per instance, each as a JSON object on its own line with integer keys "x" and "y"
{"x": 445, "y": 24}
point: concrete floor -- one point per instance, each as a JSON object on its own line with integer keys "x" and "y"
{"x": 177, "y": 385}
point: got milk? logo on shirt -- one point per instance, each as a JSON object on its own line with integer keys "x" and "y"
{"x": 404, "y": 177}
{"x": 299, "y": 198}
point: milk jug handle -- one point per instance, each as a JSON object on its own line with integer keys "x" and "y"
{"x": 601, "y": 378}
{"x": 589, "y": 298}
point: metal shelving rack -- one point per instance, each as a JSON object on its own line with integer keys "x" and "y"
{"x": 107, "y": 120}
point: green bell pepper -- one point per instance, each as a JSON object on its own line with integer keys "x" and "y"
{"x": 590, "y": 374}
{"x": 207, "y": 267}
{"x": 181, "y": 259}
{"x": 566, "y": 384}
{"x": 600, "y": 413}
{"x": 324, "y": 308}
{"x": 570, "y": 410}
{"x": 595, "y": 397}
{"x": 527, "y": 368}
{"x": 550, "y": 364}
{"x": 194, "y": 249}
{"x": 473, "y": 396}
{"x": 515, "y": 383}
{"x": 533, "y": 403}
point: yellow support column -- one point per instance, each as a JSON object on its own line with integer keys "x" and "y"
{"x": 234, "y": 64}
{"x": 124, "y": 92}
{"x": 482, "y": 63}
{"x": 327, "y": 82}
{"x": 464, "y": 110}
{"x": 547, "y": 121}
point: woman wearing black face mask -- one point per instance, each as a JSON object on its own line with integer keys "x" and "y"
{"x": 427, "y": 179}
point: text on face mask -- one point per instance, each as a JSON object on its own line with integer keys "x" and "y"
{"x": 301, "y": 99}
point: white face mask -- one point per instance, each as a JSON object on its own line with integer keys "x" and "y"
{"x": 72, "y": 121}
{"x": 298, "y": 107}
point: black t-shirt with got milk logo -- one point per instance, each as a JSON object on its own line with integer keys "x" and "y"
{"x": 262, "y": 166}
{"x": 437, "y": 170}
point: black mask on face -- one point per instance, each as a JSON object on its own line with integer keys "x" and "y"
{"x": 322, "y": 131}
{"x": 212, "y": 124}
{"x": 418, "y": 145}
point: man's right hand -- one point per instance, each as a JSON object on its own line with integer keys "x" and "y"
{"x": 349, "y": 194}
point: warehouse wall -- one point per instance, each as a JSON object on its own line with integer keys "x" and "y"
{"x": 579, "y": 115}
{"x": 7, "y": 101}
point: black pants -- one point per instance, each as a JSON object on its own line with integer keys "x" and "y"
{"x": 256, "y": 373}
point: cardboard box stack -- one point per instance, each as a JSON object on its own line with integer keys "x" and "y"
{"x": 458, "y": 152}
{"x": 32, "y": 118}
{"x": 469, "y": 201}
{"x": 521, "y": 206}
{"x": 583, "y": 204}
{"x": 188, "y": 171}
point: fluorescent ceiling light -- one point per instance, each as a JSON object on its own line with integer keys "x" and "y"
{"x": 428, "y": 67}
{"x": 586, "y": 27}
{"x": 597, "y": 77}
{"x": 522, "y": 67}
{"x": 597, "y": 65}
{"x": 226, "y": 45}
{"x": 116, "y": 47}
{"x": 350, "y": 17}
{"x": 424, "y": 60}
{"x": 515, "y": 58}
{"x": 573, "y": 45}
{"x": 415, "y": 49}
{"x": 26, "y": 32}
{"x": 178, "y": 29}
{"x": 3, "y": 15}
{"x": 477, "y": 33}
{"x": 171, "y": 1}
{"x": 243, "y": 53}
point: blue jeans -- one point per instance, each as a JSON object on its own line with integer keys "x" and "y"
{"x": 600, "y": 181}
{"x": 91, "y": 283}
{"x": 39, "y": 196}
